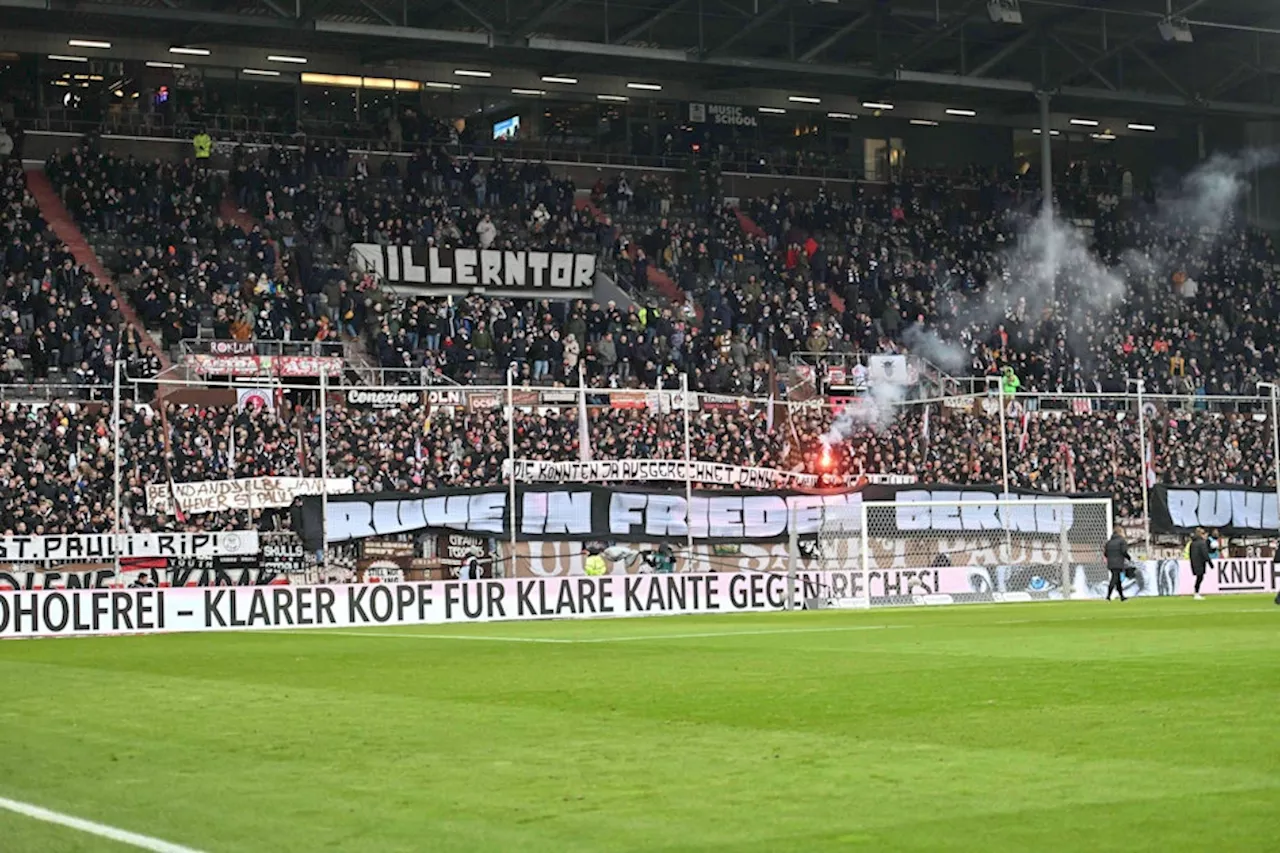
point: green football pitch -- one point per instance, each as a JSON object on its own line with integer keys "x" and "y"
{"x": 1152, "y": 725}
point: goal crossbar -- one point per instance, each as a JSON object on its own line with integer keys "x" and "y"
{"x": 968, "y": 549}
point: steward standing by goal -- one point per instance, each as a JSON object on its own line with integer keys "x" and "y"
{"x": 1201, "y": 559}
{"x": 1117, "y": 553}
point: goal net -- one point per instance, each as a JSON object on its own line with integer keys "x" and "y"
{"x": 887, "y": 553}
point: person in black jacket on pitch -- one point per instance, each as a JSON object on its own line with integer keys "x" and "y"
{"x": 1117, "y": 553}
{"x": 1201, "y": 561}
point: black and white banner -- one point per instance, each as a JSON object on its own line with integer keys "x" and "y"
{"x": 678, "y": 471}
{"x": 108, "y": 546}
{"x": 547, "y": 274}
{"x": 103, "y": 611}
{"x": 193, "y": 571}
{"x": 620, "y": 514}
{"x": 1232, "y": 510}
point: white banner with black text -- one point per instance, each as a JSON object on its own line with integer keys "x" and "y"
{"x": 108, "y": 546}
{"x": 678, "y": 471}
{"x": 546, "y": 274}
{"x": 248, "y": 493}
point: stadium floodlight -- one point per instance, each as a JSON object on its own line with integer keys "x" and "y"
{"x": 952, "y": 111}
{"x": 615, "y": 98}
{"x": 1148, "y": 128}
{"x": 467, "y": 72}
{"x": 430, "y": 84}
{"x": 534, "y": 92}
{"x": 260, "y": 72}
{"x": 190, "y": 51}
{"x": 924, "y": 122}
{"x": 841, "y": 115}
{"x": 1175, "y": 30}
{"x": 1004, "y": 11}
{"x": 648, "y": 87}
{"x": 154, "y": 64}
{"x": 774, "y": 110}
{"x": 64, "y": 57}
{"x": 100, "y": 45}
{"x": 568, "y": 81}
{"x": 1084, "y": 122}
{"x": 893, "y": 553}
{"x": 876, "y": 105}
{"x": 803, "y": 99}
{"x": 295, "y": 60}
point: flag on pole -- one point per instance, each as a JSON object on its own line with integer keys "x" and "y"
{"x": 168, "y": 464}
{"x": 1150, "y": 465}
{"x": 584, "y": 429}
{"x": 173, "y": 496}
{"x": 1022, "y": 437}
{"x": 768, "y": 418}
{"x": 924, "y": 428}
{"x": 302, "y": 450}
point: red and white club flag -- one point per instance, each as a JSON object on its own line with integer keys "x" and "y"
{"x": 1150, "y": 465}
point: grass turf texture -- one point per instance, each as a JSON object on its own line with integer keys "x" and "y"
{"x": 1149, "y": 725}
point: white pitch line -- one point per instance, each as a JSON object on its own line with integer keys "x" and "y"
{"x": 1115, "y": 615}
{"x": 480, "y": 637}
{"x": 133, "y": 839}
{"x": 627, "y": 639}
{"x": 701, "y": 635}
{"x": 714, "y": 634}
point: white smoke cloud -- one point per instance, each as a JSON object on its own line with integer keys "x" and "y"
{"x": 1212, "y": 192}
{"x": 875, "y": 410}
{"x": 1051, "y": 268}
{"x": 928, "y": 344}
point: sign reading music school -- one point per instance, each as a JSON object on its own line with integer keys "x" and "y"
{"x": 546, "y": 274}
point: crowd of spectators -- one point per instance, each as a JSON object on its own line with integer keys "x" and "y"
{"x": 58, "y": 322}
{"x": 782, "y": 276}
{"x": 56, "y": 467}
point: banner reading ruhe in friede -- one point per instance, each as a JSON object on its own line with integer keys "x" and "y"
{"x": 1232, "y": 510}
{"x": 595, "y": 512}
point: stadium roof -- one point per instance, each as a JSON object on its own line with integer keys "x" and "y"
{"x": 946, "y": 51}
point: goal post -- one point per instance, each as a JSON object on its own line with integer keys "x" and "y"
{"x": 893, "y": 553}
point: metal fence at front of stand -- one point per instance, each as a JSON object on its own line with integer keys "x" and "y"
{"x": 312, "y": 417}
